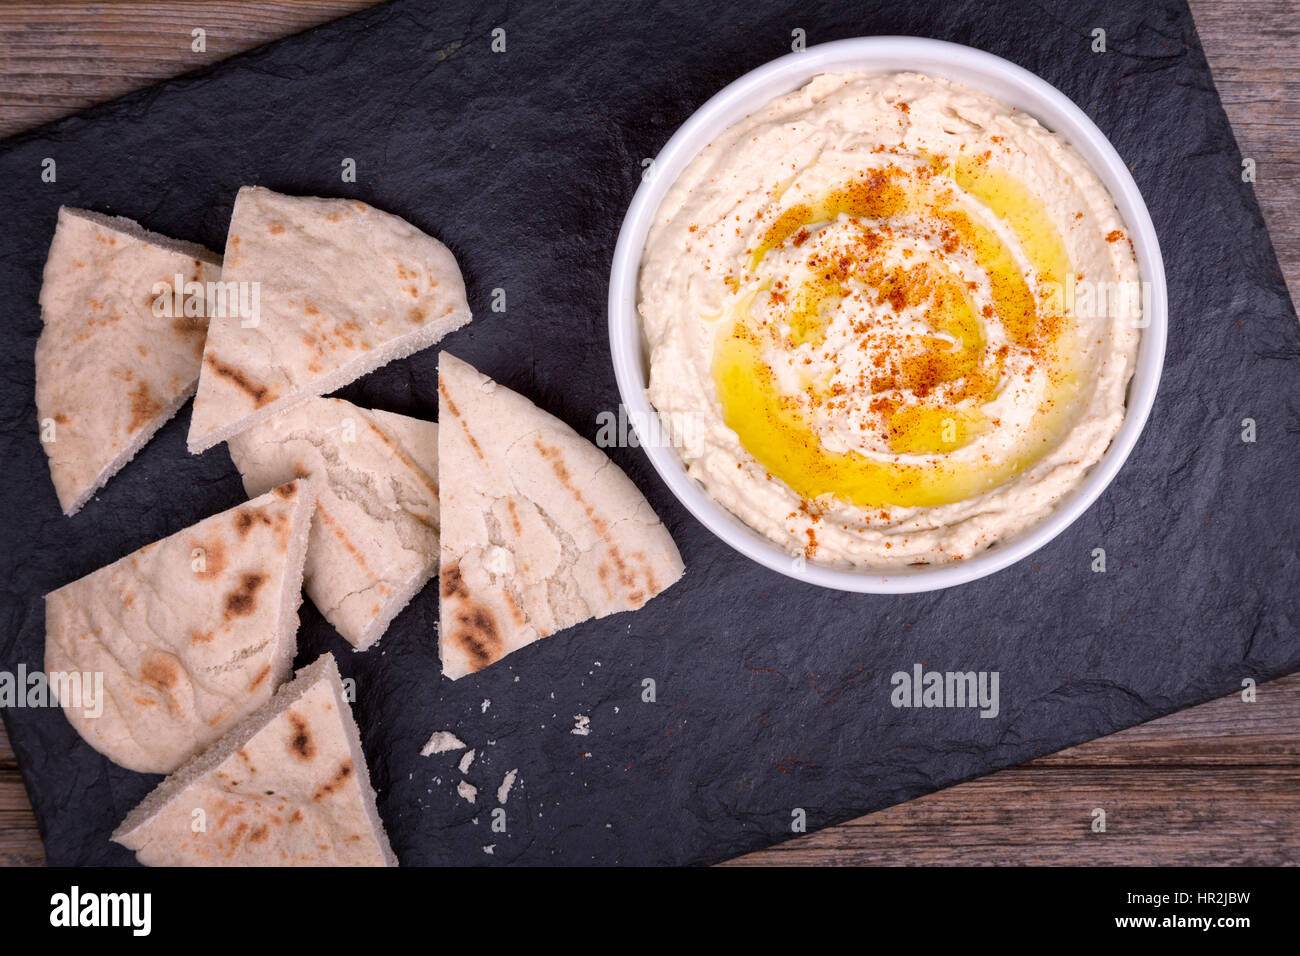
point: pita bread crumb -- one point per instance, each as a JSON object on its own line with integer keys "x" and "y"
{"x": 503, "y": 791}
{"x": 442, "y": 741}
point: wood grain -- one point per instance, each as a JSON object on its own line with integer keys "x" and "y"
{"x": 1217, "y": 784}
{"x": 59, "y": 57}
{"x": 20, "y": 841}
{"x": 1251, "y": 46}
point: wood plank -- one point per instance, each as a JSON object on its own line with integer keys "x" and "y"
{"x": 20, "y": 841}
{"x": 1227, "y": 732}
{"x": 62, "y": 56}
{"x": 1216, "y": 784}
{"x": 1251, "y": 47}
{"x": 1032, "y": 815}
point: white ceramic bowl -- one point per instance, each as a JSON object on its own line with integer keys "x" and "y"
{"x": 982, "y": 71}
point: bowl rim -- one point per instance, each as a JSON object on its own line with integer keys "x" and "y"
{"x": 731, "y": 104}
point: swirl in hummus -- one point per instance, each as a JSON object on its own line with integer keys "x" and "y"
{"x": 898, "y": 316}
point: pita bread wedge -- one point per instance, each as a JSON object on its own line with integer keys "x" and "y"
{"x": 374, "y": 539}
{"x": 109, "y": 372}
{"x": 539, "y": 529}
{"x": 287, "y": 787}
{"x": 191, "y": 633}
{"x": 342, "y": 288}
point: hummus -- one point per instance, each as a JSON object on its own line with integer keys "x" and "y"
{"x": 890, "y": 320}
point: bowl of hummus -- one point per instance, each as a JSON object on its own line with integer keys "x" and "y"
{"x": 888, "y": 314}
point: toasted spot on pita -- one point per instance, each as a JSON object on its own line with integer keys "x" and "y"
{"x": 241, "y": 601}
{"x": 516, "y": 612}
{"x": 340, "y": 535}
{"x": 453, "y": 584}
{"x": 143, "y": 406}
{"x": 189, "y": 326}
{"x": 237, "y": 837}
{"x": 514, "y": 517}
{"x": 214, "y": 558}
{"x": 476, "y": 634}
{"x": 455, "y": 413}
{"x": 329, "y": 786}
{"x": 246, "y": 518}
{"x": 552, "y": 454}
{"x": 260, "y": 394}
{"x": 160, "y": 672}
{"x": 300, "y": 743}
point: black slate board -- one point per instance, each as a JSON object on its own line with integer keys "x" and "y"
{"x": 772, "y": 695}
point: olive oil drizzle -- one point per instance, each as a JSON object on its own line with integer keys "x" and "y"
{"x": 932, "y": 400}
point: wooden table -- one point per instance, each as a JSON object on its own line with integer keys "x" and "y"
{"x": 1217, "y": 784}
